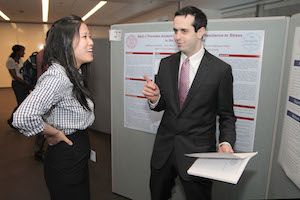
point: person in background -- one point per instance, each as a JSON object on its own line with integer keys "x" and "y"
{"x": 193, "y": 87}
{"x": 14, "y": 64}
{"x": 61, "y": 107}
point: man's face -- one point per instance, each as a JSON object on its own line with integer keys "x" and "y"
{"x": 188, "y": 41}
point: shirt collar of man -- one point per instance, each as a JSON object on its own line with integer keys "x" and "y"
{"x": 194, "y": 59}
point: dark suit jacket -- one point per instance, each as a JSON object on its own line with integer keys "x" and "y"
{"x": 192, "y": 129}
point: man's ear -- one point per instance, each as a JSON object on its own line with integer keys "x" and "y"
{"x": 201, "y": 32}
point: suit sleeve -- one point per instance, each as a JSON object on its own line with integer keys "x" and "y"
{"x": 227, "y": 118}
{"x": 161, "y": 103}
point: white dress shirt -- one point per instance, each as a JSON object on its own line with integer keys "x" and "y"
{"x": 194, "y": 61}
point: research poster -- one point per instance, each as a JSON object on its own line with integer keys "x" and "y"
{"x": 241, "y": 49}
{"x": 142, "y": 55}
{"x": 289, "y": 153}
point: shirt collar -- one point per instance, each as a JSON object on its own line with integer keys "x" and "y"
{"x": 194, "y": 58}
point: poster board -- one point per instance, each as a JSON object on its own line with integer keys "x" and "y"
{"x": 281, "y": 186}
{"x": 99, "y": 84}
{"x": 131, "y": 149}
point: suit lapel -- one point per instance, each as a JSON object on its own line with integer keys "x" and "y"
{"x": 174, "y": 70}
{"x": 200, "y": 77}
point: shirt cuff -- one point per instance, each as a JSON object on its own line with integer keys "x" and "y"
{"x": 225, "y": 143}
{"x": 153, "y": 105}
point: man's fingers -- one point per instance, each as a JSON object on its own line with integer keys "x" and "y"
{"x": 149, "y": 83}
{"x": 147, "y": 78}
{"x": 148, "y": 92}
{"x": 225, "y": 149}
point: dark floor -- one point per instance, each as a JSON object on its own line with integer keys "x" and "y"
{"x": 21, "y": 177}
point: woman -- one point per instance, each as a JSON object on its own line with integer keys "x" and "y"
{"x": 14, "y": 63}
{"x": 60, "y": 106}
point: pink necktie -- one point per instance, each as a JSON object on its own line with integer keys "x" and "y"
{"x": 183, "y": 86}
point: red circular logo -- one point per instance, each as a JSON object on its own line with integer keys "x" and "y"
{"x": 131, "y": 41}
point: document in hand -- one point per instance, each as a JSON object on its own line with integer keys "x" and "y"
{"x": 226, "y": 167}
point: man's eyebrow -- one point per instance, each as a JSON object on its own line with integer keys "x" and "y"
{"x": 181, "y": 29}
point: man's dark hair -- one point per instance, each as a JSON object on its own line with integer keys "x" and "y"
{"x": 200, "y": 17}
{"x": 59, "y": 49}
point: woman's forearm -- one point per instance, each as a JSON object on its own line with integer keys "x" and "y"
{"x": 50, "y": 130}
{"x": 53, "y": 135}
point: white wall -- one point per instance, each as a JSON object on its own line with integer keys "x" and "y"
{"x": 165, "y": 13}
{"x": 27, "y": 35}
{"x": 210, "y": 13}
{"x": 263, "y": 9}
{"x": 31, "y": 36}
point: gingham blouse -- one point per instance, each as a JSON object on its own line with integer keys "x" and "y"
{"x": 52, "y": 101}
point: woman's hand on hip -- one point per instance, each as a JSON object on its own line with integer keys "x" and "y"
{"x": 56, "y": 138}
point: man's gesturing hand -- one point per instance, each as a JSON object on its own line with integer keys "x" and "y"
{"x": 151, "y": 90}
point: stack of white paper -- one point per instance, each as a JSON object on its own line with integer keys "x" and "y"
{"x": 226, "y": 167}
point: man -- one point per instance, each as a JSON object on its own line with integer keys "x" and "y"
{"x": 193, "y": 87}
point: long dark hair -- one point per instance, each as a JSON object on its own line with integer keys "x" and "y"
{"x": 15, "y": 50}
{"x": 59, "y": 49}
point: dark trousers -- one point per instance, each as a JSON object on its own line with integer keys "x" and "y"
{"x": 21, "y": 93}
{"x": 66, "y": 168}
{"x": 39, "y": 143}
{"x": 163, "y": 180}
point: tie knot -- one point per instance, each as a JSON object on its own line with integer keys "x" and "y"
{"x": 186, "y": 61}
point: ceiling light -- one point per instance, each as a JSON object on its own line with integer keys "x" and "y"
{"x": 45, "y": 5}
{"x": 45, "y": 28}
{"x": 97, "y": 7}
{"x": 4, "y": 16}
